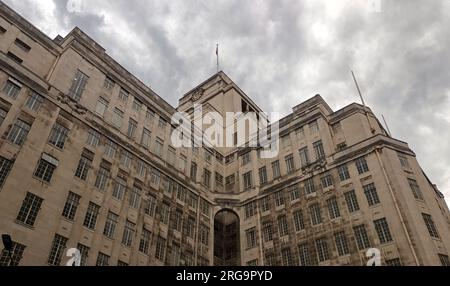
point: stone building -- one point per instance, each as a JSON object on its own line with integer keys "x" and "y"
{"x": 86, "y": 162}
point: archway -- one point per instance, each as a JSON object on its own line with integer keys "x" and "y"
{"x": 226, "y": 238}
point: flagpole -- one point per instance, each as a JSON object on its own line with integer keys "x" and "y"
{"x": 217, "y": 56}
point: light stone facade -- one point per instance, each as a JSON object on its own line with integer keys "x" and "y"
{"x": 86, "y": 163}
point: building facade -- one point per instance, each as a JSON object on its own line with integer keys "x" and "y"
{"x": 86, "y": 162}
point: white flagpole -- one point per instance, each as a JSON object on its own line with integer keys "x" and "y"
{"x": 217, "y": 56}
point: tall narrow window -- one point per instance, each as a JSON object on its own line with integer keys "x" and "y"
{"x": 361, "y": 165}
{"x": 309, "y": 186}
{"x": 2, "y": 115}
{"x": 248, "y": 180}
{"x": 286, "y": 257}
{"x": 102, "y": 105}
{"x": 46, "y": 167}
{"x": 123, "y": 94}
{"x": 5, "y": 168}
{"x": 171, "y": 155}
{"x": 102, "y": 178}
{"x": 84, "y": 251}
{"x": 343, "y": 172}
{"x": 146, "y": 136}
{"x": 109, "y": 83}
{"x": 132, "y": 126}
{"x": 282, "y": 225}
{"x": 341, "y": 243}
{"x": 267, "y": 231}
{"x": 29, "y": 209}
{"x": 128, "y": 233}
{"x": 206, "y": 178}
{"x": 117, "y": 118}
{"x": 78, "y": 85}
{"x": 262, "y": 175}
{"x": 57, "y": 250}
{"x": 382, "y": 228}
{"x": 34, "y": 101}
{"x": 322, "y": 249}
{"x": 135, "y": 196}
{"x": 318, "y": 150}
{"x": 304, "y": 255}
{"x": 91, "y": 215}
{"x": 313, "y": 127}
{"x": 71, "y": 206}
{"x": 137, "y": 105}
{"x": 102, "y": 259}
{"x": 333, "y": 208}
{"x": 276, "y": 169}
{"x": 404, "y": 161}
{"x": 12, "y": 258}
{"x": 125, "y": 158}
{"x": 193, "y": 174}
{"x": 352, "y": 201}
{"x": 19, "y": 132}
{"x": 150, "y": 207}
{"x": 279, "y": 198}
{"x": 158, "y": 150}
{"x": 120, "y": 187}
{"x": 315, "y": 214}
{"x": 160, "y": 248}
{"x": 58, "y": 136}
{"x": 290, "y": 167}
{"x": 298, "y": 220}
{"x": 371, "y": 194}
{"x": 362, "y": 240}
{"x": 144, "y": 243}
{"x": 110, "y": 148}
{"x": 84, "y": 165}
{"x": 432, "y": 230}
{"x": 417, "y": 193}
{"x": 93, "y": 138}
{"x": 11, "y": 88}
{"x": 110, "y": 225}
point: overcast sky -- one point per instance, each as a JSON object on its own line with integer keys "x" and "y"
{"x": 284, "y": 52}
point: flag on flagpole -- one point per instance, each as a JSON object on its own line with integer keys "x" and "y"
{"x": 217, "y": 56}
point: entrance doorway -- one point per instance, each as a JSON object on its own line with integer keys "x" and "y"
{"x": 226, "y": 239}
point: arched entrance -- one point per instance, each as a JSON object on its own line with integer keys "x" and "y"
{"x": 226, "y": 238}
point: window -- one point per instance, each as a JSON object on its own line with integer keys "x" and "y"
{"x": 279, "y": 198}
{"x": 109, "y": 83}
{"x": 333, "y": 208}
{"x": 362, "y": 240}
{"x": 102, "y": 105}
{"x": 298, "y": 220}
{"x": 206, "y": 178}
{"x": 183, "y": 164}
{"x": 176, "y": 221}
{"x": 282, "y": 225}
{"x": 251, "y": 237}
{"x": 417, "y": 193}
{"x": 120, "y": 187}
{"x": 29, "y": 209}
{"x": 150, "y": 114}
{"x": 125, "y": 158}
{"x": 91, "y": 215}
{"x": 248, "y": 180}
{"x": 404, "y": 161}
{"x": 304, "y": 159}
{"x": 46, "y": 167}
{"x": 117, "y": 118}
{"x": 203, "y": 234}
{"x": 110, "y": 148}
{"x": 93, "y": 138}
{"x": 84, "y": 251}
{"x": 318, "y": 150}
{"x": 294, "y": 192}
{"x": 265, "y": 204}
{"x": 230, "y": 180}
{"x": 189, "y": 227}
{"x": 322, "y": 249}
{"x": 267, "y": 231}
{"x": 137, "y": 105}
{"x": 285, "y": 141}
{"x": 102, "y": 178}
{"x": 84, "y": 165}
{"x": 193, "y": 171}
{"x": 21, "y": 44}
{"x": 57, "y": 249}
{"x": 250, "y": 209}
{"x": 144, "y": 243}
{"x": 393, "y": 262}
{"x": 276, "y": 169}
{"x": 361, "y": 165}
{"x": 204, "y": 207}
{"x": 253, "y": 262}
{"x": 155, "y": 177}
{"x": 313, "y": 127}
{"x": 262, "y": 175}
{"x": 171, "y": 155}
{"x": 162, "y": 123}
{"x": 102, "y": 259}
{"x": 123, "y": 94}
{"x": 2, "y": 115}
{"x": 246, "y": 158}
{"x": 132, "y": 126}
{"x": 11, "y": 88}
{"x": 78, "y": 85}
{"x": 19, "y": 132}
{"x": 58, "y": 136}
{"x": 110, "y": 225}
{"x": 141, "y": 168}
{"x": 159, "y": 147}
{"x": 371, "y": 194}
{"x": 13, "y": 258}
{"x": 135, "y": 196}
{"x": 5, "y": 167}
{"x": 270, "y": 259}
{"x": 145, "y": 139}
{"x": 309, "y": 186}
{"x": 160, "y": 248}
{"x": 314, "y": 212}
{"x": 300, "y": 133}
{"x": 71, "y": 205}
{"x": 341, "y": 243}
{"x": 352, "y": 201}
{"x": 290, "y": 167}
{"x": 2, "y": 30}
{"x": 432, "y": 230}
{"x": 382, "y": 228}
{"x": 165, "y": 213}
{"x": 444, "y": 259}
{"x": 337, "y": 128}
{"x": 286, "y": 257}
{"x": 14, "y": 58}
{"x": 304, "y": 256}
{"x": 128, "y": 233}
{"x": 150, "y": 208}
{"x": 343, "y": 173}
{"x": 34, "y": 101}
{"x": 326, "y": 181}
